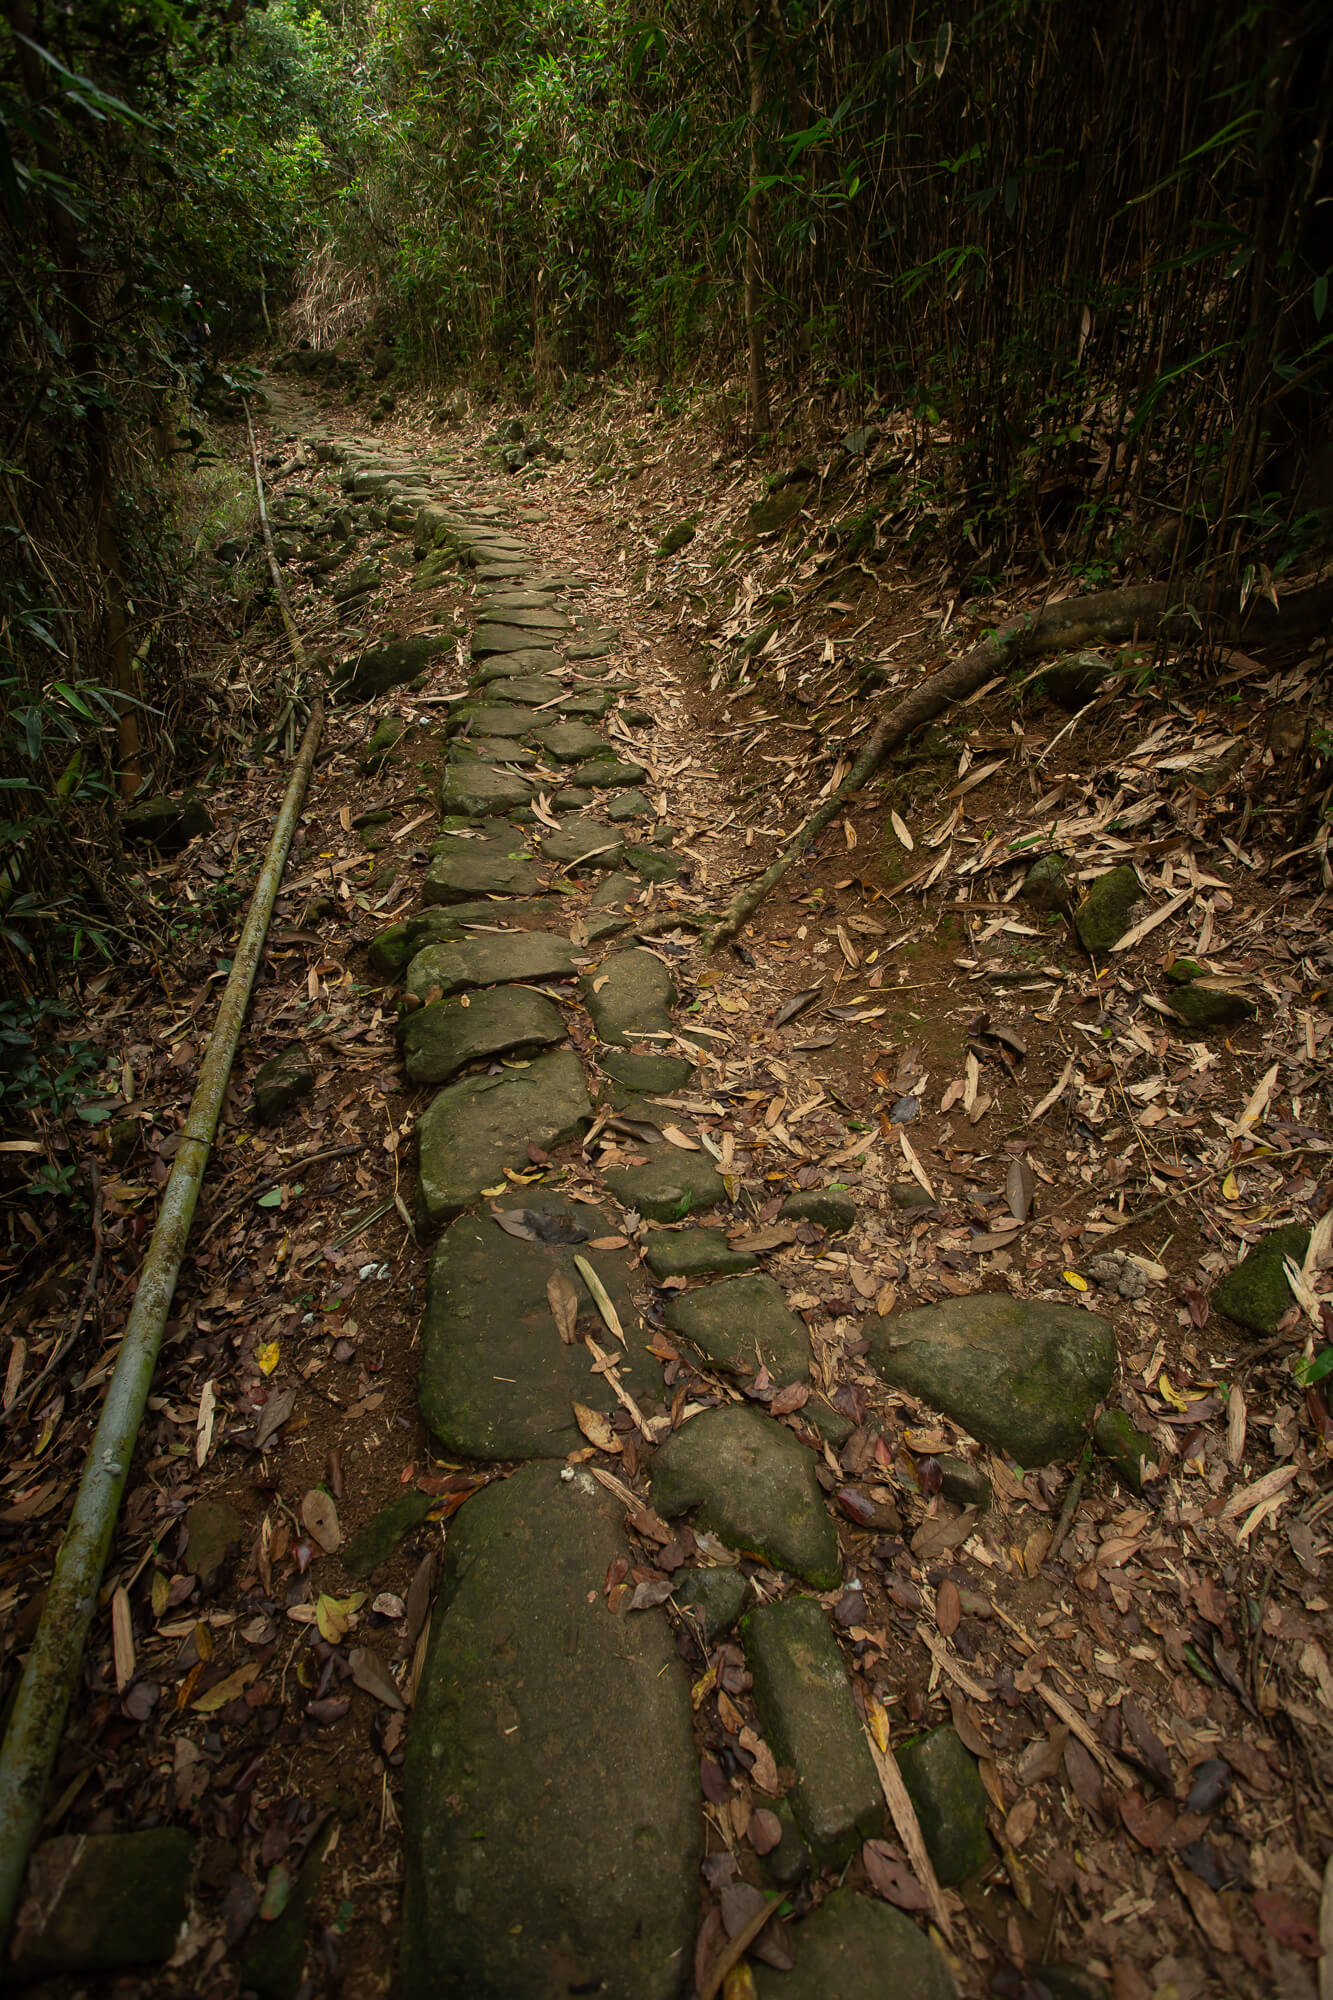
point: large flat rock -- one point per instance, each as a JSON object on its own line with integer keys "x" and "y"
{"x": 496, "y": 1379}
{"x": 670, "y": 1188}
{"x": 516, "y": 666}
{"x": 583, "y": 843}
{"x": 1021, "y": 1375}
{"x": 551, "y": 1813}
{"x": 810, "y": 1721}
{"x": 629, "y": 995}
{"x": 472, "y": 1131}
{"x": 474, "y": 789}
{"x": 440, "y": 1040}
{"x": 753, "y": 1482}
{"x": 742, "y": 1324}
{"x": 497, "y": 960}
{"x": 857, "y": 1948}
{"x": 488, "y": 639}
{"x": 466, "y": 869}
{"x": 490, "y": 718}
{"x": 569, "y": 742}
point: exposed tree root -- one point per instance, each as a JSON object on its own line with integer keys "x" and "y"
{"x": 1142, "y": 612}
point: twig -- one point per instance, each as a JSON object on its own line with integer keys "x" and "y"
{"x": 29, "y": 1390}
{"x": 908, "y": 1828}
{"x": 1070, "y": 1508}
{"x": 252, "y": 1194}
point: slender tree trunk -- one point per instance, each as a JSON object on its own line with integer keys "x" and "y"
{"x": 754, "y": 326}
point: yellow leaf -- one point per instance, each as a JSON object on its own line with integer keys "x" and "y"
{"x": 1073, "y": 1278}
{"x": 1168, "y": 1391}
{"x": 1230, "y": 1188}
{"x": 235, "y": 1684}
{"x": 266, "y": 1354}
{"x": 878, "y": 1718}
{"x": 161, "y": 1592}
{"x": 335, "y": 1615}
{"x": 739, "y": 1983}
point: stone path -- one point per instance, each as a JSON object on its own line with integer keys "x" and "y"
{"x": 554, "y": 1823}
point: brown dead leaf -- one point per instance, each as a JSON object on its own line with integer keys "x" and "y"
{"x": 948, "y": 1608}
{"x": 596, "y": 1428}
{"x": 765, "y": 1770}
{"x": 372, "y": 1675}
{"x": 319, "y": 1517}
{"x": 563, "y": 1298}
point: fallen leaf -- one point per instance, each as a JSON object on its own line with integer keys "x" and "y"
{"x": 373, "y": 1677}
{"x": 273, "y": 1416}
{"x": 563, "y": 1298}
{"x": 336, "y": 1615}
{"x": 796, "y": 1005}
{"x": 948, "y": 1608}
{"x": 891, "y": 1878}
{"x": 596, "y": 1428}
{"x": 764, "y": 1832}
{"x": 226, "y": 1690}
{"x": 266, "y": 1355}
{"x": 319, "y": 1516}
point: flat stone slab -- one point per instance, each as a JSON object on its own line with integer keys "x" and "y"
{"x": 513, "y": 600}
{"x": 97, "y": 1902}
{"x": 831, "y": 1208}
{"x": 551, "y": 1810}
{"x": 466, "y": 869}
{"x": 489, "y": 639}
{"x": 475, "y": 789}
{"x": 490, "y": 718}
{"x": 472, "y": 1131}
{"x": 632, "y": 804}
{"x": 1021, "y": 1375}
{"x": 616, "y": 891}
{"x": 442, "y": 969}
{"x": 441, "y": 1039}
{"x": 608, "y": 774}
{"x": 743, "y": 1324}
{"x": 944, "y": 1784}
{"x": 532, "y": 690}
{"x": 569, "y": 742}
{"x": 539, "y": 617}
{"x": 580, "y": 843}
{"x": 753, "y": 1483}
{"x": 592, "y": 702}
{"x": 810, "y": 1721}
{"x": 514, "y": 666}
{"x": 668, "y": 1189}
{"x": 693, "y": 1253}
{"x": 629, "y": 995}
{"x": 496, "y": 1379}
{"x": 852, "y": 1947}
{"x": 491, "y": 750}
{"x": 650, "y": 1073}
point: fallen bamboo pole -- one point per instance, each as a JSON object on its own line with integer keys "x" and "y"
{"x": 52, "y": 1666}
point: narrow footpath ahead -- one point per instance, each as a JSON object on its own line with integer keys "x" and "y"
{"x": 659, "y": 1569}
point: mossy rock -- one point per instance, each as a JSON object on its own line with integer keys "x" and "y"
{"x": 944, "y": 1785}
{"x": 1255, "y": 1293}
{"x": 1046, "y": 886}
{"x": 1103, "y": 917}
{"x": 775, "y": 512}
{"x": 677, "y": 538}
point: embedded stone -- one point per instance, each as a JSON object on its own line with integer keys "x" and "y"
{"x": 653, "y": 864}
{"x": 467, "y": 869}
{"x": 531, "y": 690}
{"x": 1104, "y": 915}
{"x": 1021, "y": 1375}
{"x": 96, "y": 1902}
{"x": 853, "y": 1946}
{"x": 492, "y": 750}
{"x": 632, "y": 804}
{"x": 475, "y": 789}
{"x": 832, "y": 1208}
{"x": 715, "y": 1597}
{"x": 472, "y": 1131}
{"x": 569, "y": 742}
{"x": 489, "y": 639}
{"x": 629, "y": 996}
{"x": 668, "y": 1189}
{"x": 442, "y": 969}
{"x": 281, "y": 1082}
{"x": 647, "y": 1073}
{"x": 167, "y": 824}
{"x": 214, "y": 1531}
{"x": 1255, "y": 1293}
{"x": 747, "y": 1478}
{"x": 742, "y": 1325}
{"x": 538, "y": 660}
{"x": 441, "y": 1039}
{"x": 551, "y": 1809}
{"x": 382, "y": 667}
{"x": 609, "y": 773}
{"x": 582, "y": 843}
{"x": 497, "y": 1380}
{"x": 693, "y": 1253}
{"x": 490, "y": 718}
{"x": 945, "y": 1786}
{"x": 375, "y": 1543}
{"x": 810, "y": 1722}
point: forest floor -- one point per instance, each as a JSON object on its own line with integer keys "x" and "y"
{"x": 1133, "y": 1659}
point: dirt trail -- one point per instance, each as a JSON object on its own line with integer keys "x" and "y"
{"x": 713, "y": 1587}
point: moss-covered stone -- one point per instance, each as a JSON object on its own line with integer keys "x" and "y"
{"x": 472, "y": 1131}
{"x": 693, "y": 1253}
{"x": 376, "y": 1542}
{"x": 776, "y": 511}
{"x": 652, "y": 1074}
{"x": 1255, "y": 1292}
{"x": 441, "y": 969}
{"x": 384, "y": 666}
{"x": 715, "y": 1597}
{"x": 677, "y": 538}
{"x": 442, "y": 1039}
{"x": 945, "y": 1786}
{"x": 274, "y": 1955}
{"x": 579, "y": 844}
{"x": 832, "y": 1208}
{"x": 97, "y": 1902}
{"x": 1073, "y": 680}
{"x": 964, "y": 1483}
{"x": 1019, "y": 1374}
{"x": 475, "y": 789}
{"x": 1131, "y": 1451}
{"x": 632, "y": 804}
{"x": 1103, "y": 917}
{"x": 742, "y": 1324}
{"x": 167, "y": 824}
{"x": 753, "y": 1483}
{"x": 551, "y": 1810}
{"x": 1203, "y": 1004}
{"x": 654, "y": 864}
{"x": 810, "y": 1722}
{"x": 853, "y": 1947}
{"x": 462, "y": 871}
{"x": 629, "y": 995}
{"x": 281, "y": 1082}
{"x": 1047, "y": 887}
{"x": 668, "y": 1189}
